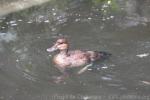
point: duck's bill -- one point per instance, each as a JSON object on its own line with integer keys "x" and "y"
{"x": 51, "y": 49}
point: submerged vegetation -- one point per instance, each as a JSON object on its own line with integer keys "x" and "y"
{"x": 53, "y": 7}
{"x": 58, "y": 11}
{"x": 104, "y": 5}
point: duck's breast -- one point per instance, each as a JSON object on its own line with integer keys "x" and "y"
{"x": 61, "y": 61}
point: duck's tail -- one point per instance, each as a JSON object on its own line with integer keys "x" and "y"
{"x": 104, "y": 55}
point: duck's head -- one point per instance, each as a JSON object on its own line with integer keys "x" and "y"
{"x": 61, "y": 44}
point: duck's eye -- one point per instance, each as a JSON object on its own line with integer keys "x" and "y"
{"x": 60, "y": 42}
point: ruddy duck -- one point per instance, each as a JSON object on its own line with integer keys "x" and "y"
{"x": 75, "y": 58}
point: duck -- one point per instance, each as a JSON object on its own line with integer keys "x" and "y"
{"x": 67, "y": 58}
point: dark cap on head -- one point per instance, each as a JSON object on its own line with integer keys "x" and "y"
{"x": 62, "y": 40}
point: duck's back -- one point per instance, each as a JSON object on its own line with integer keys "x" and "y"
{"x": 78, "y": 58}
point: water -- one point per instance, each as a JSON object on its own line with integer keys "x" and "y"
{"x": 26, "y": 68}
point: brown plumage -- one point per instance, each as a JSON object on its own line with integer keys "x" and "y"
{"x": 72, "y": 58}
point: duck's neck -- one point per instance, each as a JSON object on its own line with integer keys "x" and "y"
{"x": 64, "y": 52}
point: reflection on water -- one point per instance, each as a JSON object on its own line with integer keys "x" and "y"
{"x": 26, "y": 69}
